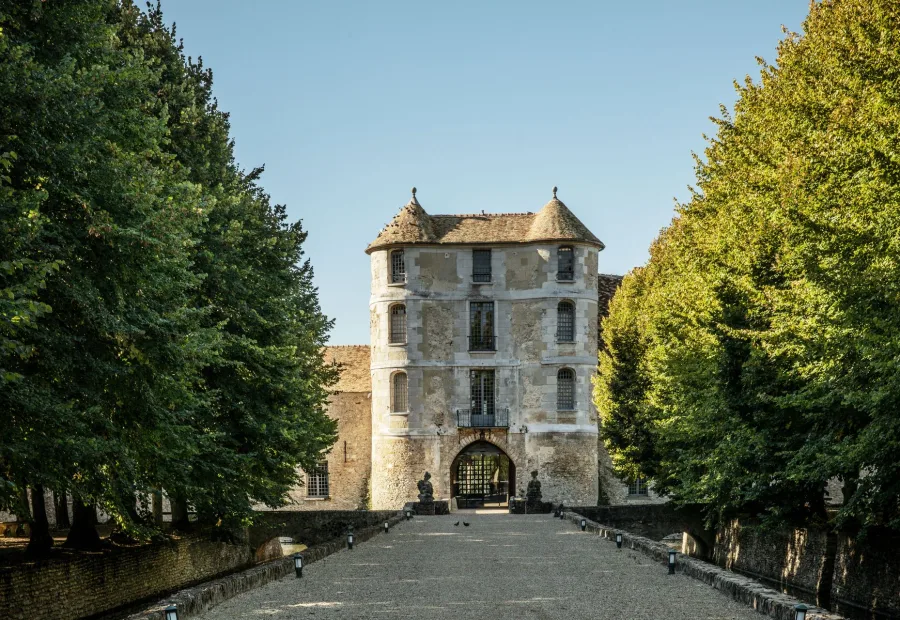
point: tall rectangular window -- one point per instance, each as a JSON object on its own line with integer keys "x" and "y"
{"x": 482, "y": 390}
{"x": 398, "y": 267}
{"x": 565, "y": 263}
{"x": 398, "y": 324}
{"x": 400, "y": 393}
{"x": 481, "y": 326}
{"x": 481, "y": 265}
{"x": 317, "y": 481}
{"x": 565, "y": 322}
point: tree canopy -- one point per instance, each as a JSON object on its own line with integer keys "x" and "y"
{"x": 755, "y": 357}
{"x": 159, "y": 328}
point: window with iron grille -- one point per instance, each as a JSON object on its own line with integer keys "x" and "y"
{"x": 481, "y": 322}
{"x": 482, "y": 389}
{"x": 565, "y": 263}
{"x": 565, "y": 389}
{"x": 638, "y": 486}
{"x": 317, "y": 481}
{"x": 565, "y": 322}
{"x": 398, "y": 324}
{"x": 398, "y": 267}
{"x": 481, "y": 265}
{"x": 400, "y": 393}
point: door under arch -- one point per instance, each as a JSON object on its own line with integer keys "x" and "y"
{"x": 482, "y": 475}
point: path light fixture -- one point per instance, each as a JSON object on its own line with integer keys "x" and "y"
{"x": 350, "y": 540}
{"x": 672, "y": 553}
{"x": 172, "y": 612}
{"x": 619, "y": 540}
{"x": 408, "y": 515}
{"x": 583, "y": 525}
{"x": 298, "y": 565}
{"x": 386, "y": 527}
{"x": 800, "y": 610}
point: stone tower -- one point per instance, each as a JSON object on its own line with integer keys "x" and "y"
{"x": 483, "y": 346}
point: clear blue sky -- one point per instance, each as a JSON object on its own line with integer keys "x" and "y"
{"x": 481, "y": 105}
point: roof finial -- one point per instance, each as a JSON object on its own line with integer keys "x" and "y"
{"x": 414, "y": 192}
{"x": 554, "y": 191}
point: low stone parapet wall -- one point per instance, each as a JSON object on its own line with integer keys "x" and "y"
{"x": 78, "y": 585}
{"x": 200, "y": 599}
{"x": 761, "y": 598}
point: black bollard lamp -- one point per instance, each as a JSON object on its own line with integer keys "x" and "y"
{"x": 386, "y": 527}
{"x": 172, "y": 612}
{"x": 298, "y": 564}
{"x": 583, "y": 525}
{"x": 350, "y": 541}
{"x": 800, "y": 611}
{"x": 672, "y": 553}
{"x": 619, "y": 540}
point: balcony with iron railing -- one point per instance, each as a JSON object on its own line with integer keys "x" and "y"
{"x": 482, "y": 343}
{"x": 490, "y": 418}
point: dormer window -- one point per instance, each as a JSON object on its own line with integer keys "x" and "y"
{"x": 565, "y": 258}
{"x": 398, "y": 267}
{"x": 481, "y": 265}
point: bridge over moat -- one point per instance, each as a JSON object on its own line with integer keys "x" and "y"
{"x": 501, "y": 566}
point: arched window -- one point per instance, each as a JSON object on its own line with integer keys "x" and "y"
{"x": 565, "y": 389}
{"x": 398, "y": 324}
{"x": 565, "y": 263}
{"x": 565, "y": 322}
{"x": 398, "y": 267}
{"x": 400, "y": 393}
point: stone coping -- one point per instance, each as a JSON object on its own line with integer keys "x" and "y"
{"x": 200, "y": 599}
{"x": 743, "y": 589}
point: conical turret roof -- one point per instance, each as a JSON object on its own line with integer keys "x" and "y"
{"x": 553, "y": 223}
{"x": 411, "y": 225}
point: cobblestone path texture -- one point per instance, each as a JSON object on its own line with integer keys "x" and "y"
{"x": 501, "y": 566}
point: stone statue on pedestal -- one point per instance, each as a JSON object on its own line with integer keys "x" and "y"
{"x": 426, "y": 490}
{"x": 533, "y": 494}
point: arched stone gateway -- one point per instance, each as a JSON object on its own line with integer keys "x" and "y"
{"x": 482, "y": 475}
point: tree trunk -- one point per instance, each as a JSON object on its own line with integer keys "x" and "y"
{"x": 180, "y": 519}
{"x": 157, "y": 508}
{"x": 83, "y": 533}
{"x": 41, "y": 542}
{"x": 61, "y": 506}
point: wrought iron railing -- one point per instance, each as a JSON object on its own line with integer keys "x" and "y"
{"x": 482, "y": 343}
{"x": 499, "y": 418}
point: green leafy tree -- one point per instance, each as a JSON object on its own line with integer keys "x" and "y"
{"x": 756, "y": 352}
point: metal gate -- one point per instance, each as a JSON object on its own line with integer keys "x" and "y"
{"x": 481, "y": 476}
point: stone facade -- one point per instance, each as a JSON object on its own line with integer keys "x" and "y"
{"x": 526, "y": 359}
{"x": 350, "y": 461}
{"x": 390, "y": 449}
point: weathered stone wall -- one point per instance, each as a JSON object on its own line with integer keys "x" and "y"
{"x": 788, "y": 557}
{"x": 350, "y": 460}
{"x": 865, "y": 574}
{"x": 83, "y": 585}
{"x": 314, "y": 527}
{"x": 437, "y": 361}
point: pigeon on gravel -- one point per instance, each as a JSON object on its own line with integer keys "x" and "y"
{"x": 456, "y": 524}
{"x": 466, "y": 523}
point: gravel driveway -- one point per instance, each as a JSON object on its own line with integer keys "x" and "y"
{"x": 502, "y": 566}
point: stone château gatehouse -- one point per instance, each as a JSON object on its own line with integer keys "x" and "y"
{"x": 484, "y": 339}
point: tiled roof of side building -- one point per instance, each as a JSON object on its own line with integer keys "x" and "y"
{"x": 607, "y": 285}
{"x": 413, "y": 226}
{"x": 355, "y": 374}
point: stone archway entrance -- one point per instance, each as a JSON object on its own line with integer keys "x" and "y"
{"x": 482, "y": 475}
